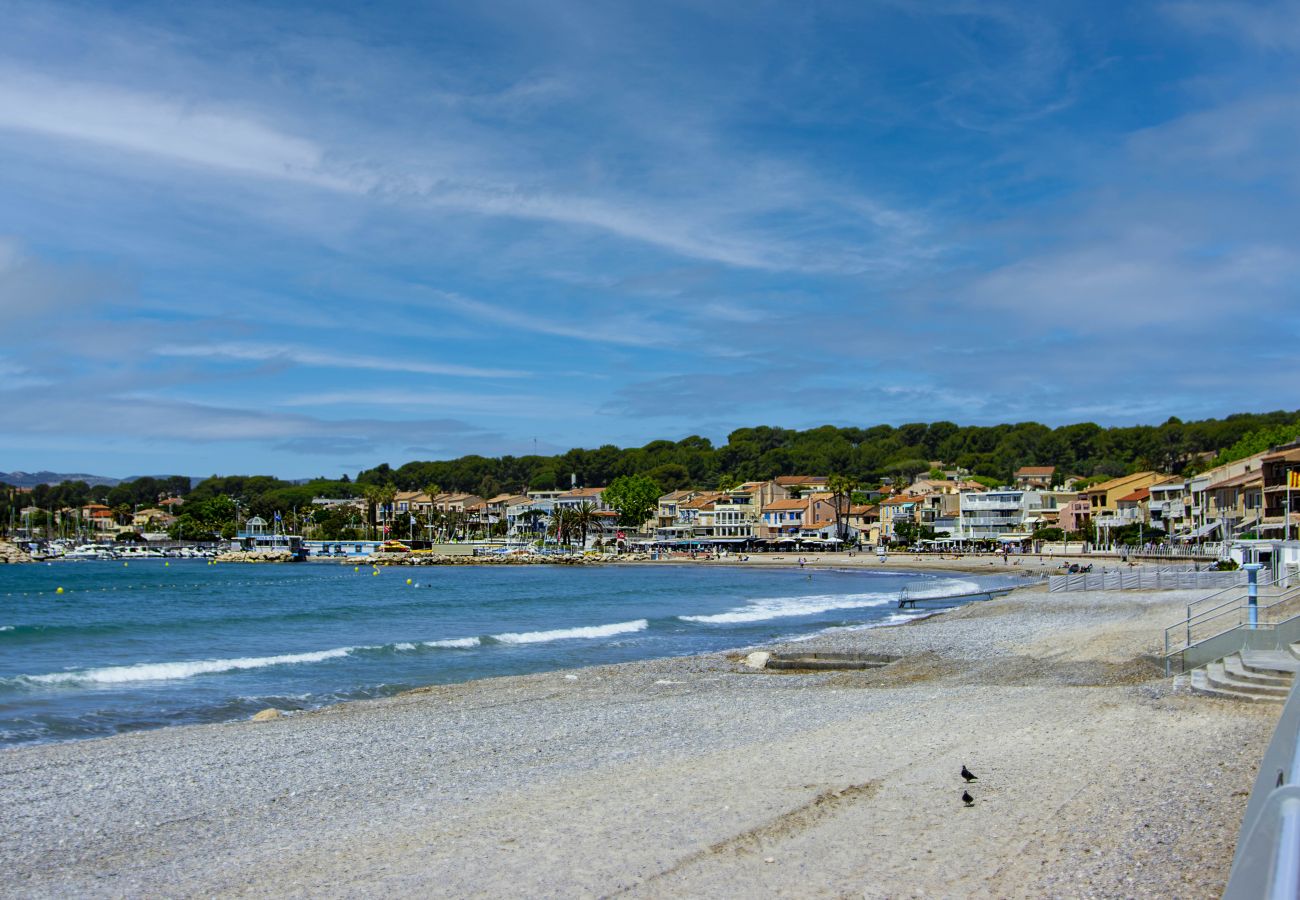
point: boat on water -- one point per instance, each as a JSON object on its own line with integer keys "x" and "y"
{"x": 91, "y": 551}
{"x": 138, "y": 551}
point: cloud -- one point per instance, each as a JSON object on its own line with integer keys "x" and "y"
{"x": 185, "y": 132}
{"x": 327, "y": 359}
{"x": 718, "y": 223}
{"x": 31, "y": 288}
{"x": 140, "y": 418}
{"x": 512, "y": 404}
{"x": 1272, "y": 26}
{"x": 609, "y": 328}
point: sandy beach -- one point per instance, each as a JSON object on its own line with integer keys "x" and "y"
{"x": 687, "y": 777}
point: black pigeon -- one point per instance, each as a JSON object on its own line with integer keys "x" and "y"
{"x": 968, "y": 775}
{"x": 967, "y": 798}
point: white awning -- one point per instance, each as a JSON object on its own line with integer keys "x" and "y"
{"x": 1201, "y": 532}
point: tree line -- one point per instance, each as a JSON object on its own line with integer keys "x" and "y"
{"x": 867, "y": 455}
{"x": 864, "y": 456}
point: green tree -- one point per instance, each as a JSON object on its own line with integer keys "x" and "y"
{"x": 635, "y": 497}
{"x": 841, "y": 488}
{"x": 581, "y": 520}
{"x": 560, "y": 526}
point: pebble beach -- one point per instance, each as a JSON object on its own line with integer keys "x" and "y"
{"x": 688, "y": 776}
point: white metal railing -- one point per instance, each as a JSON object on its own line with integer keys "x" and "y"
{"x": 1148, "y": 579}
{"x": 1267, "y": 860}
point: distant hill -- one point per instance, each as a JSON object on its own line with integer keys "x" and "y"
{"x": 31, "y": 479}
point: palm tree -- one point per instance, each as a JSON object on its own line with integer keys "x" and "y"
{"x": 841, "y": 488}
{"x": 583, "y": 518}
{"x": 560, "y": 526}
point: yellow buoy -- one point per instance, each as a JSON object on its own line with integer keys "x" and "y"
{"x": 124, "y": 565}
{"x": 408, "y": 581}
{"x": 356, "y": 568}
{"x": 376, "y": 572}
{"x": 166, "y": 564}
{"x": 59, "y": 591}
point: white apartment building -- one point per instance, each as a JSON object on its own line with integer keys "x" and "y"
{"x": 990, "y": 515}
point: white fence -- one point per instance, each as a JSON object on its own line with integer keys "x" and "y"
{"x": 1144, "y": 579}
{"x": 1213, "y": 550}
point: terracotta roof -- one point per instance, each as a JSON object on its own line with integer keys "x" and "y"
{"x": 899, "y": 501}
{"x": 1136, "y": 497}
{"x": 818, "y": 526}
{"x": 584, "y": 492}
{"x": 800, "y": 479}
{"x": 1115, "y": 482}
{"x": 676, "y": 495}
{"x": 1245, "y": 478}
{"x": 786, "y": 504}
{"x": 1036, "y": 470}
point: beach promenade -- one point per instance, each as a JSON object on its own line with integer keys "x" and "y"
{"x": 686, "y": 777}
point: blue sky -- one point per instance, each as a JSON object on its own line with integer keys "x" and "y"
{"x": 308, "y": 239}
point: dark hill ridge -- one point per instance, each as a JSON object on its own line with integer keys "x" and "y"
{"x": 31, "y": 479}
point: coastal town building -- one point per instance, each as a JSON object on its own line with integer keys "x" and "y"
{"x": 1281, "y": 493}
{"x": 1103, "y": 498}
{"x": 798, "y": 485}
{"x": 998, "y": 515}
{"x": 1028, "y": 477}
{"x": 895, "y": 510}
{"x": 578, "y": 496}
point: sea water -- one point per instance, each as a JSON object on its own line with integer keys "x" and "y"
{"x": 156, "y": 643}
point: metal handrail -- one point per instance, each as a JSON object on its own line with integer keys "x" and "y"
{"x": 1238, "y": 607}
{"x": 1235, "y": 587}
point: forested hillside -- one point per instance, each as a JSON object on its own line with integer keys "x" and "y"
{"x": 865, "y": 454}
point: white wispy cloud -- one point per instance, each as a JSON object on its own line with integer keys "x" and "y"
{"x": 609, "y": 328}
{"x": 199, "y": 134}
{"x": 1274, "y": 26}
{"x": 303, "y": 356}
{"x": 240, "y": 140}
{"x": 514, "y": 404}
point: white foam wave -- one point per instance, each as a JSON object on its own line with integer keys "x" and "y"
{"x": 405, "y": 645}
{"x": 188, "y": 669}
{"x": 786, "y": 607}
{"x": 455, "y": 642}
{"x": 561, "y": 634}
{"x": 6, "y": 628}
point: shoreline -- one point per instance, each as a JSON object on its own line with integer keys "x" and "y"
{"x": 705, "y": 776}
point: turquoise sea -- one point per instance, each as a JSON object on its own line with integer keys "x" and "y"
{"x": 156, "y": 643}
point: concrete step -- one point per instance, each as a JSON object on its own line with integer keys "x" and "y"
{"x": 1201, "y": 685}
{"x": 1219, "y": 677}
{"x": 1270, "y": 661}
{"x": 1239, "y": 669}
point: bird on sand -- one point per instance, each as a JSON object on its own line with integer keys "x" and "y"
{"x": 967, "y": 798}
{"x": 968, "y": 775}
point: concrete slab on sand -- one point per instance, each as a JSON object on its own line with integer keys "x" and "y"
{"x": 687, "y": 777}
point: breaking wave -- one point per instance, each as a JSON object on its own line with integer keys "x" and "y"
{"x": 767, "y": 608}
{"x": 561, "y": 634}
{"x": 172, "y": 670}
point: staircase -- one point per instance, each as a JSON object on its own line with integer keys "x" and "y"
{"x": 1254, "y": 675}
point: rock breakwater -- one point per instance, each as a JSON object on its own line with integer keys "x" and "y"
{"x": 10, "y": 553}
